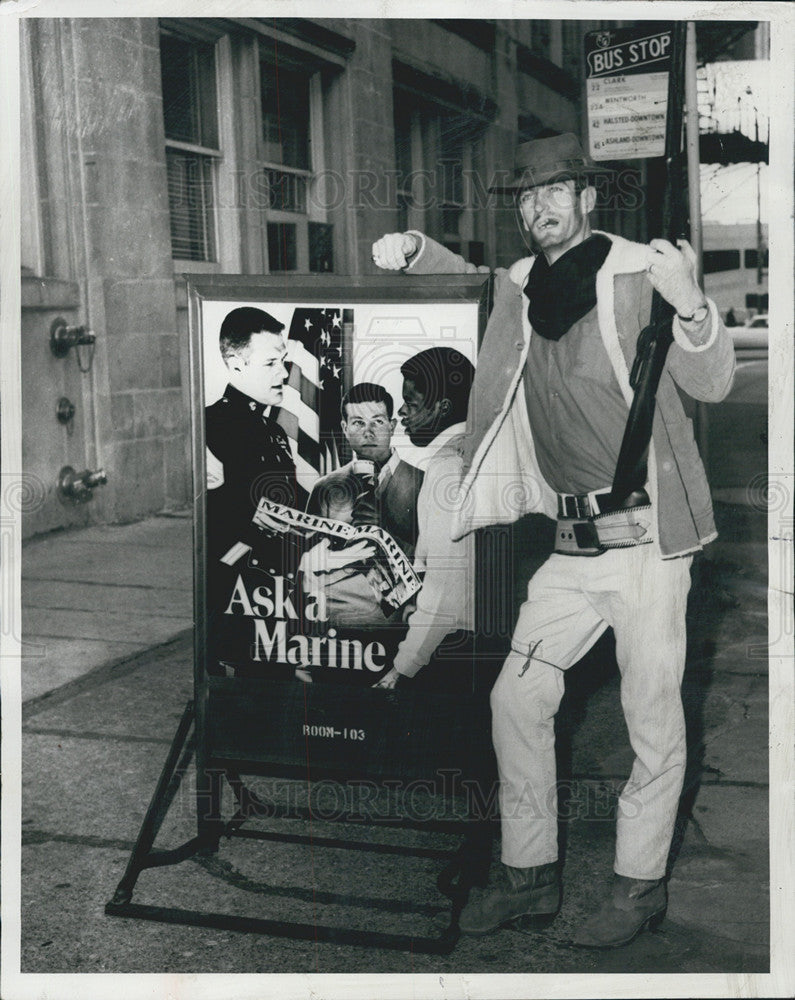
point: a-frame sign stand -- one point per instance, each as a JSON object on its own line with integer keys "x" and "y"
{"x": 453, "y": 881}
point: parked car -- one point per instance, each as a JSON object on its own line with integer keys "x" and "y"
{"x": 752, "y": 336}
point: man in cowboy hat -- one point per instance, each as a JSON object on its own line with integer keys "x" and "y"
{"x": 546, "y": 419}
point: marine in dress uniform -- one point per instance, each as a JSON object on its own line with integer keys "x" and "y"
{"x": 250, "y": 458}
{"x": 257, "y": 462}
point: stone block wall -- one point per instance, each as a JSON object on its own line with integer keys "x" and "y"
{"x": 100, "y": 153}
{"x": 96, "y": 202}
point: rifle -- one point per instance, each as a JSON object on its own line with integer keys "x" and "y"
{"x": 655, "y": 339}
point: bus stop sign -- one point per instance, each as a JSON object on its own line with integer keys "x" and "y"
{"x": 627, "y": 91}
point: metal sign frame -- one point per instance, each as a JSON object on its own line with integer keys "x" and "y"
{"x": 238, "y": 698}
{"x": 462, "y": 737}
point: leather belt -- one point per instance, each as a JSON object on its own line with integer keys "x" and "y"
{"x": 588, "y": 525}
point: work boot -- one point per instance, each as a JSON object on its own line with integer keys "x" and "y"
{"x": 517, "y": 892}
{"x": 634, "y": 904}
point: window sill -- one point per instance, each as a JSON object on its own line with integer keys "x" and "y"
{"x": 195, "y": 267}
{"x": 46, "y": 293}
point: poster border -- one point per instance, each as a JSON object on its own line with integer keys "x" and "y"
{"x": 473, "y": 288}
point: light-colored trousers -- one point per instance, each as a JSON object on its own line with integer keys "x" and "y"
{"x": 571, "y": 600}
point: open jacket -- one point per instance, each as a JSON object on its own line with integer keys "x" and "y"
{"x": 501, "y": 478}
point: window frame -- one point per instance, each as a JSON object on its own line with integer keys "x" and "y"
{"x": 314, "y": 209}
{"x": 426, "y": 154}
{"x": 211, "y": 155}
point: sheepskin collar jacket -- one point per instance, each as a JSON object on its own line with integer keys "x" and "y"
{"x": 501, "y": 479}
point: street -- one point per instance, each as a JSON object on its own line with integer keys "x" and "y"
{"x": 94, "y": 745}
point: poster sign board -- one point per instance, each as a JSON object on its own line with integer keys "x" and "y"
{"x": 627, "y": 91}
{"x": 320, "y": 506}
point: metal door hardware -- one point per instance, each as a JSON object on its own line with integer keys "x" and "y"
{"x": 65, "y": 412}
{"x": 77, "y": 487}
{"x": 64, "y": 337}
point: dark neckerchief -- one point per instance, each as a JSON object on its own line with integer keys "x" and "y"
{"x": 562, "y": 293}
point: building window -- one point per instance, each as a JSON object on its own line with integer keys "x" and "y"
{"x": 572, "y": 55}
{"x": 403, "y": 163}
{"x": 541, "y": 38}
{"x": 751, "y": 258}
{"x": 439, "y": 159}
{"x": 282, "y": 246}
{"x": 285, "y": 116}
{"x": 453, "y": 160}
{"x": 721, "y": 260}
{"x": 298, "y": 238}
{"x": 321, "y": 251}
{"x": 190, "y": 199}
{"x": 192, "y": 148}
{"x": 284, "y": 99}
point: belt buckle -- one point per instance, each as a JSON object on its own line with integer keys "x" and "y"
{"x": 576, "y": 505}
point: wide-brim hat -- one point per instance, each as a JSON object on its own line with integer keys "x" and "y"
{"x": 558, "y": 157}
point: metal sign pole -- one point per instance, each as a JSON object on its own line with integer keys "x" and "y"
{"x": 693, "y": 153}
{"x": 694, "y": 197}
{"x": 655, "y": 339}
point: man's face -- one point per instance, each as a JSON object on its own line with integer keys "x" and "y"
{"x": 259, "y": 370}
{"x": 421, "y": 422}
{"x": 369, "y": 430}
{"x": 556, "y": 216}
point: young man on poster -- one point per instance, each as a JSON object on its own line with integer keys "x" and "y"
{"x": 248, "y": 454}
{"x": 376, "y": 487}
{"x": 436, "y": 385}
{"x": 545, "y": 425}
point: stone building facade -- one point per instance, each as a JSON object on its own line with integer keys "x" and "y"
{"x": 155, "y": 148}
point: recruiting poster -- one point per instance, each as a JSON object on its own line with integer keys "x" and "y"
{"x": 338, "y": 612}
{"x": 626, "y": 71}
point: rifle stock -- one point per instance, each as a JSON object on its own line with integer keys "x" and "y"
{"x": 631, "y": 468}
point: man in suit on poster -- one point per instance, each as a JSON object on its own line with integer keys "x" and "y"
{"x": 376, "y": 487}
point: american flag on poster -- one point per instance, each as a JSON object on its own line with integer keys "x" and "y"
{"x": 310, "y": 413}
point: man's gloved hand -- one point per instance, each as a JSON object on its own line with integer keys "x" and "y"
{"x": 393, "y": 250}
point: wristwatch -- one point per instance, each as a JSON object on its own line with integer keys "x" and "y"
{"x": 697, "y": 317}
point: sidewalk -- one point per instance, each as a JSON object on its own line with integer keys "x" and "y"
{"x": 110, "y": 611}
{"x": 98, "y": 596}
